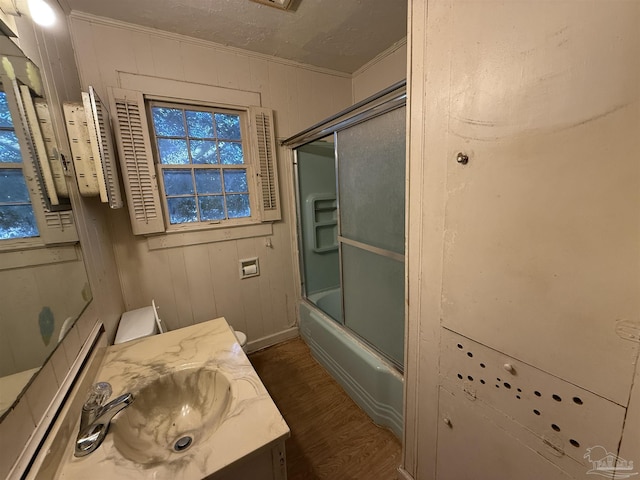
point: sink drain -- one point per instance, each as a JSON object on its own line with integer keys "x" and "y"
{"x": 182, "y": 443}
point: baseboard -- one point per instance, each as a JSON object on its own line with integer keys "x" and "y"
{"x": 273, "y": 339}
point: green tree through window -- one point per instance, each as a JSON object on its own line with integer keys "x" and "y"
{"x": 17, "y": 219}
{"x": 202, "y": 159}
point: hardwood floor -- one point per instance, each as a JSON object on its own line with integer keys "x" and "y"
{"x": 331, "y": 437}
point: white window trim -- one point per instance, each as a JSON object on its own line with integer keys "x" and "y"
{"x": 165, "y": 89}
{"x": 200, "y": 237}
{"x": 176, "y": 91}
{"x": 249, "y": 166}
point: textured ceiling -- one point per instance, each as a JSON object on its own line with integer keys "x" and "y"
{"x": 341, "y": 35}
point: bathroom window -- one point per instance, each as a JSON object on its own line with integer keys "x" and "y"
{"x": 17, "y": 219}
{"x": 203, "y": 171}
{"x": 29, "y": 218}
{"x": 191, "y": 165}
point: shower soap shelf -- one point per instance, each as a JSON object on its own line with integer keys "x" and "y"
{"x": 324, "y": 237}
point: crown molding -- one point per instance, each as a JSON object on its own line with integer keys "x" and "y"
{"x": 381, "y": 56}
{"x": 87, "y": 17}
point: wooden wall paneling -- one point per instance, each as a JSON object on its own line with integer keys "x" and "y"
{"x": 155, "y": 275}
{"x": 259, "y": 69}
{"x": 284, "y": 247}
{"x": 86, "y": 55}
{"x": 167, "y": 58}
{"x": 201, "y": 65}
{"x": 200, "y": 281}
{"x": 381, "y": 73}
{"x": 304, "y": 86}
{"x": 179, "y": 279}
{"x": 226, "y": 281}
{"x": 66, "y": 87}
{"x": 229, "y": 72}
{"x": 341, "y": 96}
{"x": 268, "y": 284}
{"x": 285, "y": 299}
{"x": 251, "y": 290}
{"x": 142, "y": 52}
{"x": 243, "y": 73}
{"x": 146, "y": 278}
{"x": 114, "y": 51}
{"x": 279, "y": 277}
{"x": 67, "y": 83}
{"x": 125, "y": 252}
{"x": 292, "y": 111}
{"x": 279, "y": 96}
{"x": 321, "y": 93}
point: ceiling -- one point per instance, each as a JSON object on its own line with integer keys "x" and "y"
{"x": 340, "y": 35}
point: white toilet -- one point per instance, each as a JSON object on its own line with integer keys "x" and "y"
{"x": 241, "y": 337}
{"x": 144, "y": 322}
{"x": 139, "y": 323}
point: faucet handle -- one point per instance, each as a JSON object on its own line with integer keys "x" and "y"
{"x": 97, "y": 395}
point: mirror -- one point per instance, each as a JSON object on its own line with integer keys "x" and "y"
{"x": 43, "y": 288}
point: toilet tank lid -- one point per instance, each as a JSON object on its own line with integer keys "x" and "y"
{"x": 137, "y": 323}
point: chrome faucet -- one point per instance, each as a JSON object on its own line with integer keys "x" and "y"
{"x": 96, "y": 417}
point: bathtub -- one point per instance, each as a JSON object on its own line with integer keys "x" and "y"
{"x": 369, "y": 380}
{"x": 329, "y": 302}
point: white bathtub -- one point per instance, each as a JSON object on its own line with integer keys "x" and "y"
{"x": 369, "y": 380}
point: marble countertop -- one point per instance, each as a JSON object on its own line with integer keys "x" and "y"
{"x": 250, "y": 422}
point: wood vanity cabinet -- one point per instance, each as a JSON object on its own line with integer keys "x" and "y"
{"x": 268, "y": 463}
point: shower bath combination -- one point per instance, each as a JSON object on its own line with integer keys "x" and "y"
{"x": 350, "y": 188}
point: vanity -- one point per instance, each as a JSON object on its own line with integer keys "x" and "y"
{"x": 199, "y": 411}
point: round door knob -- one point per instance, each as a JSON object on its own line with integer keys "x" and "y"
{"x": 447, "y": 421}
{"x": 509, "y": 368}
{"x": 462, "y": 158}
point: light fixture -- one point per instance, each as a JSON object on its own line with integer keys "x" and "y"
{"x": 41, "y": 13}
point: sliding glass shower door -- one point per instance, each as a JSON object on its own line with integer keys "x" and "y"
{"x": 350, "y": 179}
{"x": 371, "y": 194}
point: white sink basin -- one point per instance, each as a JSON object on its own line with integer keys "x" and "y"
{"x": 171, "y": 415}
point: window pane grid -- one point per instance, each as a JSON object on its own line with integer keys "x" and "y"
{"x": 206, "y": 143}
{"x": 174, "y": 140}
{"x": 17, "y": 218}
{"x": 234, "y": 191}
